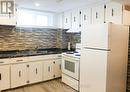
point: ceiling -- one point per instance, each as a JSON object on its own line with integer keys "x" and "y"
{"x": 53, "y": 5}
{"x": 59, "y": 5}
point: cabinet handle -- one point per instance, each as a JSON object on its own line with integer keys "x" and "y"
{"x": 0, "y": 76}
{"x": 19, "y": 60}
{"x": 36, "y": 71}
{"x": 49, "y": 69}
{"x": 85, "y": 17}
{"x": 19, "y": 73}
{"x": 74, "y": 19}
{"x": 54, "y": 62}
{"x": 9, "y": 15}
{"x": 112, "y": 13}
{"x": 96, "y": 15}
{"x": 60, "y": 66}
{"x": 66, "y": 20}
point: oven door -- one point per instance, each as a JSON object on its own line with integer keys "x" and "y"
{"x": 70, "y": 67}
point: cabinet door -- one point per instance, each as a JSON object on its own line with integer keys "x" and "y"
{"x": 67, "y": 20}
{"x": 7, "y": 18}
{"x": 35, "y": 72}
{"x": 4, "y": 77}
{"x": 18, "y": 75}
{"x": 86, "y": 18}
{"x": 76, "y": 20}
{"x": 48, "y": 72}
{"x": 114, "y": 12}
{"x": 57, "y": 68}
{"x": 98, "y": 14}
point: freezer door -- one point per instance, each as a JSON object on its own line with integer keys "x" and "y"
{"x": 93, "y": 67}
{"x": 96, "y": 36}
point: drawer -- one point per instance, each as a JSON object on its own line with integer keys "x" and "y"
{"x": 70, "y": 82}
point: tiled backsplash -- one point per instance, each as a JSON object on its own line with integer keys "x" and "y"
{"x": 35, "y": 38}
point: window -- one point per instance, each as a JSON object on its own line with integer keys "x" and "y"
{"x": 41, "y": 20}
{"x": 34, "y": 18}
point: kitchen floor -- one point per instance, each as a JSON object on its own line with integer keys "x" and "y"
{"x": 49, "y": 86}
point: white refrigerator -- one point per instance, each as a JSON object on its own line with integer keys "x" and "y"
{"x": 104, "y": 54}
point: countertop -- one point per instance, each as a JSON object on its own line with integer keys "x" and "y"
{"x": 36, "y": 52}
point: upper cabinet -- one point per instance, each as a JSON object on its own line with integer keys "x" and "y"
{"x": 85, "y": 17}
{"x": 72, "y": 20}
{"x": 67, "y": 20}
{"x": 76, "y": 20}
{"x": 98, "y": 14}
{"x": 8, "y": 13}
{"x": 114, "y": 12}
{"x": 117, "y": 13}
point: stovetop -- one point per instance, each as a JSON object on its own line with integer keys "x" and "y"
{"x": 72, "y": 54}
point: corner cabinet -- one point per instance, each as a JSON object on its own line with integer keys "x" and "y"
{"x": 8, "y": 18}
{"x": 4, "y": 77}
{"x": 117, "y": 13}
{"x": 51, "y": 69}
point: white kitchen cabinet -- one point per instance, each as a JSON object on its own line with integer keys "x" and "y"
{"x": 114, "y": 12}
{"x": 18, "y": 75}
{"x": 48, "y": 71}
{"x": 51, "y": 69}
{"x": 86, "y": 18}
{"x": 4, "y": 77}
{"x": 117, "y": 13}
{"x": 98, "y": 14}
{"x": 57, "y": 68}
{"x": 8, "y": 19}
{"x": 76, "y": 20}
{"x": 35, "y": 72}
{"x": 67, "y": 20}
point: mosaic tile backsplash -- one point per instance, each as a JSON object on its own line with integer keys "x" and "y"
{"x": 19, "y": 38}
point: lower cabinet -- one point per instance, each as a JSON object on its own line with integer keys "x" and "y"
{"x": 31, "y": 72}
{"x": 51, "y": 69}
{"x": 57, "y": 68}
{"x": 35, "y": 72}
{"x": 4, "y": 77}
{"x": 18, "y": 75}
{"x": 48, "y": 70}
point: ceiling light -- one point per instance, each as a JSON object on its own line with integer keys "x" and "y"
{"x": 37, "y": 4}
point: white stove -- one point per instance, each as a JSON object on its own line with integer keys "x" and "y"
{"x": 70, "y": 69}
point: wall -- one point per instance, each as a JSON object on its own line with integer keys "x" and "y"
{"x": 20, "y": 38}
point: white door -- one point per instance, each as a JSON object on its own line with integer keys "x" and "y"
{"x": 4, "y": 77}
{"x": 57, "y": 68}
{"x": 86, "y": 18}
{"x": 67, "y": 20}
{"x": 93, "y": 67}
{"x": 75, "y": 20}
{"x": 114, "y": 13}
{"x": 98, "y": 14}
{"x": 35, "y": 72}
{"x": 96, "y": 36}
{"x": 48, "y": 71}
{"x": 18, "y": 75}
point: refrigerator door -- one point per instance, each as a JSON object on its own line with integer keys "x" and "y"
{"x": 96, "y": 36}
{"x": 93, "y": 69}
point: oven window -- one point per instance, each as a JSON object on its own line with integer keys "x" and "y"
{"x": 70, "y": 66}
